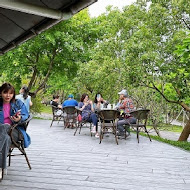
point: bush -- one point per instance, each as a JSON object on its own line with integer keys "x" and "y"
{"x": 37, "y": 105}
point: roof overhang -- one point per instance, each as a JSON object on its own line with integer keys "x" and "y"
{"x": 21, "y": 20}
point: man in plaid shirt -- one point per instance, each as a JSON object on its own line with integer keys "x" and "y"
{"x": 126, "y": 105}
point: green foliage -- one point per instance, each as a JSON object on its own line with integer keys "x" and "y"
{"x": 46, "y": 109}
{"x": 142, "y": 45}
{"x": 37, "y": 105}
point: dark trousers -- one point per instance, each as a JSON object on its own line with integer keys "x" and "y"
{"x": 128, "y": 121}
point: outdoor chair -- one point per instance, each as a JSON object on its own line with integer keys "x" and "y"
{"x": 142, "y": 117}
{"x": 108, "y": 121}
{"x": 20, "y": 144}
{"x": 70, "y": 116}
{"x": 82, "y": 122}
{"x": 57, "y": 114}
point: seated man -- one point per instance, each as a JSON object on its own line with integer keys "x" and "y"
{"x": 70, "y": 119}
{"x": 125, "y": 104}
{"x": 70, "y": 101}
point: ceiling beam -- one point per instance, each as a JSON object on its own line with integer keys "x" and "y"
{"x": 18, "y": 5}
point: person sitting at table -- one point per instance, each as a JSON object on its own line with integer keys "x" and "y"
{"x": 70, "y": 101}
{"x": 125, "y": 105}
{"x": 99, "y": 102}
{"x": 86, "y": 106}
{"x": 70, "y": 117}
{"x": 11, "y": 111}
{"x": 55, "y": 101}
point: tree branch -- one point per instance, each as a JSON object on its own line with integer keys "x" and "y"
{"x": 43, "y": 83}
{"x": 33, "y": 78}
{"x": 29, "y": 59}
{"x": 185, "y": 23}
{"x": 155, "y": 88}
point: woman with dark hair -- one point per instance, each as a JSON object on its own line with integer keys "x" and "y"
{"x": 11, "y": 111}
{"x": 24, "y": 97}
{"x": 86, "y": 106}
{"x": 99, "y": 102}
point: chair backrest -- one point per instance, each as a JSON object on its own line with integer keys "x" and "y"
{"x": 109, "y": 114}
{"x": 55, "y": 110}
{"x": 70, "y": 109}
{"x": 26, "y": 122}
{"x": 141, "y": 114}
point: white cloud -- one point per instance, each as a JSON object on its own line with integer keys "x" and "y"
{"x": 100, "y": 6}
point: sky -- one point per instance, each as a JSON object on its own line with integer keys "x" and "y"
{"x": 100, "y": 6}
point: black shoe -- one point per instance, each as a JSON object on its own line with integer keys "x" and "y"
{"x": 120, "y": 136}
{"x": 118, "y": 133}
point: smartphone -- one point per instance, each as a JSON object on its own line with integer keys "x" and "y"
{"x": 98, "y": 96}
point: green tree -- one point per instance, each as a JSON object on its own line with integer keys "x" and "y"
{"x": 52, "y": 55}
{"x": 138, "y": 46}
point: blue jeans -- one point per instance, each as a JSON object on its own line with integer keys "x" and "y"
{"x": 93, "y": 119}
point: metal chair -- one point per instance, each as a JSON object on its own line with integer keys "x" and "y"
{"x": 20, "y": 144}
{"x": 108, "y": 120}
{"x": 70, "y": 116}
{"x": 142, "y": 117}
{"x": 82, "y": 122}
{"x": 57, "y": 114}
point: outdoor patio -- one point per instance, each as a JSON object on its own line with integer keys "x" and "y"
{"x": 61, "y": 161}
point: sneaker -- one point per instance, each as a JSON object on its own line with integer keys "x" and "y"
{"x": 93, "y": 130}
{"x": 97, "y": 135}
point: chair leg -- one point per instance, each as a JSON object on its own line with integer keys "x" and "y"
{"x": 138, "y": 134}
{"x": 90, "y": 130}
{"x": 125, "y": 133}
{"x": 9, "y": 159}
{"x": 80, "y": 128}
{"x": 115, "y": 133}
{"x": 52, "y": 122}
{"x": 103, "y": 134}
{"x": 75, "y": 130}
{"x": 59, "y": 119}
{"x": 24, "y": 153}
{"x": 66, "y": 123}
{"x": 100, "y": 136}
{"x": 9, "y": 155}
{"x": 77, "y": 126}
{"x": 147, "y": 133}
{"x": 27, "y": 160}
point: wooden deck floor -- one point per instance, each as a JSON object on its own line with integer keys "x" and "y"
{"x": 61, "y": 161}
